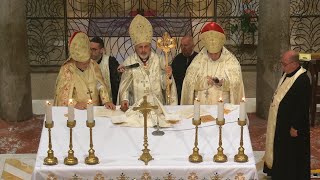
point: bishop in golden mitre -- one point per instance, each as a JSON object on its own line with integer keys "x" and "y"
{"x": 215, "y": 72}
{"x": 80, "y": 78}
{"x": 149, "y": 78}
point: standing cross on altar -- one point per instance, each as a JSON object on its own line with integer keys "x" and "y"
{"x": 145, "y": 108}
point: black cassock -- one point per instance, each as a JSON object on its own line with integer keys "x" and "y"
{"x": 114, "y": 77}
{"x": 291, "y": 155}
{"x": 179, "y": 66}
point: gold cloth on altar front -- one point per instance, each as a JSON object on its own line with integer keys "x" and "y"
{"x": 226, "y": 67}
{"x": 74, "y": 84}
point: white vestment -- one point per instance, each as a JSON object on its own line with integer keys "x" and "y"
{"x": 226, "y": 67}
{"x": 104, "y": 67}
{"x": 144, "y": 80}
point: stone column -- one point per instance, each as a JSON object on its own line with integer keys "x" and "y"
{"x": 15, "y": 83}
{"x": 274, "y": 39}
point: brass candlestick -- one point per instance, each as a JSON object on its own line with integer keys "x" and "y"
{"x": 220, "y": 157}
{"x": 145, "y": 108}
{"x": 241, "y": 157}
{"x": 165, "y": 43}
{"x": 70, "y": 160}
{"x": 195, "y": 157}
{"x": 91, "y": 159}
{"x": 50, "y": 159}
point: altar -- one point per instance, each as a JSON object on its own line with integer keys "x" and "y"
{"x": 118, "y": 149}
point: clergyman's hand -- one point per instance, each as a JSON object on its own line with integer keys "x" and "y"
{"x": 124, "y": 105}
{"x": 110, "y": 105}
{"x": 81, "y": 105}
{"x": 210, "y": 81}
{"x": 121, "y": 68}
{"x": 214, "y": 81}
{"x": 293, "y": 132}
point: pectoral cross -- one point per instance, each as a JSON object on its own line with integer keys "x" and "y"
{"x": 90, "y": 92}
{"x": 146, "y": 89}
{"x": 207, "y": 93}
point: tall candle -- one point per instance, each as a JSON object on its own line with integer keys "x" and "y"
{"x": 48, "y": 112}
{"x": 220, "y": 109}
{"x": 90, "y": 111}
{"x": 196, "y": 109}
{"x": 70, "y": 110}
{"x": 242, "y": 115}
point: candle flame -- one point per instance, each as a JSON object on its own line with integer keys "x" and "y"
{"x": 48, "y": 103}
{"x": 89, "y": 101}
{"x": 220, "y": 99}
{"x": 70, "y": 101}
{"x": 197, "y": 99}
{"x": 243, "y": 99}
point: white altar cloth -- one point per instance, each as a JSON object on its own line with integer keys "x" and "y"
{"x": 118, "y": 149}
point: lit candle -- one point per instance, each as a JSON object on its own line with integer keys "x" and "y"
{"x": 90, "y": 111}
{"x": 70, "y": 111}
{"x": 48, "y": 112}
{"x": 242, "y": 115}
{"x": 196, "y": 109}
{"x": 220, "y": 109}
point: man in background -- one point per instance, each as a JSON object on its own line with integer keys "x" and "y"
{"x": 182, "y": 61}
{"x": 108, "y": 66}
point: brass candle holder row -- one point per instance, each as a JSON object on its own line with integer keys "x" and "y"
{"x": 70, "y": 159}
{"x": 195, "y": 157}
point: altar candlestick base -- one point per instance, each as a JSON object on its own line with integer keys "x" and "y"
{"x": 50, "y": 159}
{"x": 195, "y": 157}
{"x": 91, "y": 159}
{"x": 220, "y": 157}
{"x": 71, "y": 160}
{"x": 241, "y": 156}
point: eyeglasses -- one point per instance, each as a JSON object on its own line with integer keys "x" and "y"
{"x": 286, "y": 64}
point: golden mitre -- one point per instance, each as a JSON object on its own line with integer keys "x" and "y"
{"x": 79, "y": 47}
{"x": 140, "y": 30}
{"x": 213, "y": 38}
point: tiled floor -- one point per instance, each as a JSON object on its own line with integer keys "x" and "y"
{"x": 24, "y": 137}
{"x": 257, "y": 130}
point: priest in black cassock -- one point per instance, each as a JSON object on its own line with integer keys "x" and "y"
{"x": 182, "y": 61}
{"x": 287, "y": 154}
{"x": 108, "y": 66}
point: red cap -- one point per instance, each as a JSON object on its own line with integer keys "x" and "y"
{"x": 212, "y": 27}
{"x": 72, "y": 36}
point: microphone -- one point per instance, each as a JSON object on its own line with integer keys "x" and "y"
{"x": 132, "y": 66}
{"x": 215, "y": 80}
